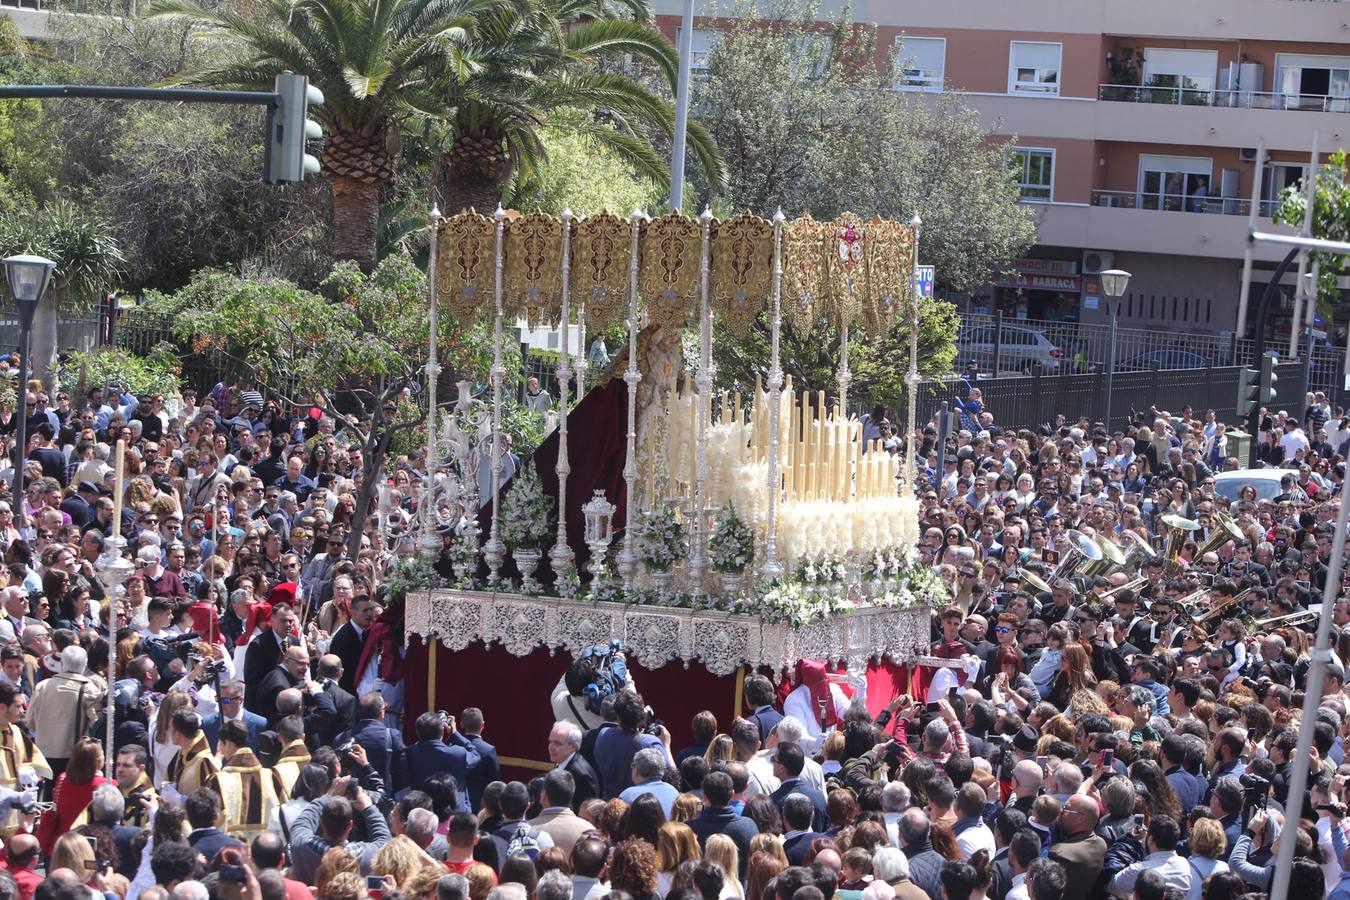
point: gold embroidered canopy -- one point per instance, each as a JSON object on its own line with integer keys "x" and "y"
{"x": 843, "y": 270}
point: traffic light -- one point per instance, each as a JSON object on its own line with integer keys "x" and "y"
{"x": 1268, "y": 379}
{"x": 288, "y": 128}
{"x": 1249, "y": 386}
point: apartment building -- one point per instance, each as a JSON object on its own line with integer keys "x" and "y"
{"x": 1137, "y": 125}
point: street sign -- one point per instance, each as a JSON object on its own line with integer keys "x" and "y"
{"x": 925, "y": 280}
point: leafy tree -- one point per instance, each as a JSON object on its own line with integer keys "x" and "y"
{"x": 540, "y": 63}
{"x": 806, "y": 120}
{"x": 373, "y": 60}
{"x": 879, "y": 365}
{"x": 89, "y": 260}
{"x": 1330, "y": 221}
{"x": 25, "y": 131}
{"x": 586, "y": 175}
{"x": 353, "y": 347}
{"x": 155, "y": 373}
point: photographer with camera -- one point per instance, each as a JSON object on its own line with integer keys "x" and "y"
{"x": 432, "y": 753}
{"x": 615, "y": 748}
{"x": 596, "y": 673}
{"x": 327, "y": 823}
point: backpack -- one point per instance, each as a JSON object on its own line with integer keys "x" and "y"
{"x": 523, "y": 840}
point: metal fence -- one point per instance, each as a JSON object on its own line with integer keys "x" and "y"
{"x": 1072, "y": 347}
{"x": 1024, "y": 401}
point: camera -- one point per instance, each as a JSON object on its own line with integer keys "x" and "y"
{"x": 233, "y": 873}
{"x": 1256, "y": 791}
{"x": 654, "y": 727}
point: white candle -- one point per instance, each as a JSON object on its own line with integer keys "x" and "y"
{"x": 119, "y": 470}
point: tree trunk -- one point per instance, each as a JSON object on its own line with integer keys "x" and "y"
{"x": 356, "y": 220}
{"x": 43, "y": 362}
{"x": 375, "y": 450}
{"x": 465, "y": 191}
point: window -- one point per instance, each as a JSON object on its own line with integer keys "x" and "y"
{"x": 919, "y": 63}
{"x": 1033, "y": 68}
{"x": 1035, "y": 172}
{"x": 1174, "y": 183}
{"x": 705, "y": 40}
{"x": 1304, "y": 81}
{"x": 1180, "y": 76}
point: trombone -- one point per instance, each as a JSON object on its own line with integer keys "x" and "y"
{"x": 1127, "y": 586}
{"x": 1222, "y": 607}
{"x": 1295, "y": 618}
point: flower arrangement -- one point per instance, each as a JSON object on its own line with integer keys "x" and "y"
{"x": 791, "y": 604}
{"x": 568, "y": 584}
{"x": 732, "y": 545}
{"x": 663, "y": 539}
{"x": 526, "y": 515}
{"x": 463, "y": 557}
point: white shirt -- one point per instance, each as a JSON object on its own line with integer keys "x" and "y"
{"x": 976, "y": 838}
{"x": 1175, "y": 871}
{"x": 761, "y": 777}
{"x": 1018, "y": 891}
{"x": 1292, "y": 442}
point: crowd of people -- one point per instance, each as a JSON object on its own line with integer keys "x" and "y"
{"x": 1106, "y": 729}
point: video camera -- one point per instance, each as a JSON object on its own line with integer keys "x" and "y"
{"x": 1255, "y": 792}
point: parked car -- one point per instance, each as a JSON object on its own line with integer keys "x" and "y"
{"x": 1266, "y": 482}
{"x": 1166, "y": 359}
{"x": 1021, "y": 348}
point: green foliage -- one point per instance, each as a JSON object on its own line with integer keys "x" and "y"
{"x": 156, "y": 373}
{"x": 89, "y": 259}
{"x": 586, "y": 175}
{"x": 1330, "y": 220}
{"x": 879, "y": 365}
{"x": 408, "y": 576}
{"x": 527, "y": 517}
{"x": 807, "y": 121}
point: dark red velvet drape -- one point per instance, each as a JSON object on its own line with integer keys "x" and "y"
{"x": 596, "y": 452}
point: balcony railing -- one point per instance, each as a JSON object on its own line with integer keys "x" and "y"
{"x": 1190, "y": 96}
{"x": 1227, "y": 206}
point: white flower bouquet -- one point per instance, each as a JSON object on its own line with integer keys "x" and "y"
{"x": 526, "y": 517}
{"x": 732, "y": 545}
{"x": 663, "y": 539}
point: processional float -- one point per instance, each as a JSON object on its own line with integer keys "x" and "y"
{"x": 756, "y": 526}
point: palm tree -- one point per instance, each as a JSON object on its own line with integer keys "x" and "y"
{"x": 533, "y": 62}
{"x": 88, "y": 260}
{"x": 371, "y": 59}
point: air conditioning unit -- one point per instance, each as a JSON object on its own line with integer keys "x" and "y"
{"x": 1247, "y": 154}
{"x": 1097, "y": 261}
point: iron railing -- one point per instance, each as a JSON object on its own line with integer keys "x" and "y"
{"x": 1233, "y": 99}
{"x": 1026, "y": 401}
{"x": 1066, "y": 347}
{"x": 1168, "y": 202}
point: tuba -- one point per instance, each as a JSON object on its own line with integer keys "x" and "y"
{"x": 1082, "y": 552}
{"x": 1112, "y": 558}
{"x": 1139, "y": 551}
{"x": 1225, "y": 530}
{"x": 1177, "y": 529}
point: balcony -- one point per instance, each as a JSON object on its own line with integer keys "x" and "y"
{"x": 1122, "y": 221}
{"x": 1212, "y": 206}
{"x": 32, "y": 17}
{"x": 1190, "y": 96}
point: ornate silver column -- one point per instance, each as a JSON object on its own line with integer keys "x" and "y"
{"x": 429, "y": 543}
{"x": 772, "y": 569}
{"x": 698, "y": 556}
{"x": 495, "y": 551}
{"x": 628, "y": 559}
{"x": 561, "y": 555}
{"x": 912, "y": 379}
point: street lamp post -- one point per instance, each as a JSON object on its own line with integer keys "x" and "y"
{"x": 28, "y": 277}
{"x": 1114, "y": 282}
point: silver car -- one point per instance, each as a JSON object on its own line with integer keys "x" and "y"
{"x": 1021, "y": 349}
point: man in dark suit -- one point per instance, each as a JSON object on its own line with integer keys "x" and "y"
{"x": 203, "y": 808}
{"x": 798, "y": 814}
{"x": 1080, "y": 850}
{"x": 350, "y": 639}
{"x": 264, "y": 652}
{"x": 330, "y": 675}
{"x": 79, "y": 505}
{"x": 232, "y": 707}
{"x": 488, "y": 769}
{"x": 383, "y": 745}
{"x": 291, "y": 672}
{"x": 431, "y": 754}
{"x": 564, "y": 744}
{"x": 788, "y": 761}
{"x": 759, "y": 693}
{"x": 718, "y": 817}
